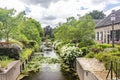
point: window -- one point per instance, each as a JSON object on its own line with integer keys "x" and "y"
{"x": 97, "y": 35}
{"x": 101, "y": 35}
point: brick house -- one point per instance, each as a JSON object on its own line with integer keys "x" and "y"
{"x": 103, "y": 30}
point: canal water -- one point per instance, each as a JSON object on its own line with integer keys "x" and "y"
{"x": 48, "y": 71}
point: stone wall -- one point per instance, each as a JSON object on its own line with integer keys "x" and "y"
{"x": 80, "y": 71}
{"x": 85, "y": 75}
{"x": 89, "y": 76}
{"x": 12, "y": 72}
{"x": 90, "y": 69}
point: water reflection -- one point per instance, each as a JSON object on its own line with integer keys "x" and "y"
{"x": 50, "y": 67}
{"x": 51, "y": 54}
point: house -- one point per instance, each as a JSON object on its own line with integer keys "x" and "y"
{"x": 90, "y": 69}
{"x": 104, "y": 29}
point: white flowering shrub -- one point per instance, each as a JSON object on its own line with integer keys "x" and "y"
{"x": 70, "y": 53}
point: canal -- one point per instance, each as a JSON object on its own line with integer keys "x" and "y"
{"x": 48, "y": 71}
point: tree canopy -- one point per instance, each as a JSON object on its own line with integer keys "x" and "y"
{"x": 97, "y": 14}
{"x": 18, "y": 26}
{"x": 76, "y": 31}
{"x": 31, "y": 30}
{"x": 8, "y": 21}
{"x": 48, "y": 31}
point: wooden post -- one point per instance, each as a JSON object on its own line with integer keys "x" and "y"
{"x": 116, "y": 70}
{"x": 111, "y": 70}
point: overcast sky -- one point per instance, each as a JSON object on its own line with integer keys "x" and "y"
{"x": 51, "y": 12}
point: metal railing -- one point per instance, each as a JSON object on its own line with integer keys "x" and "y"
{"x": 114, "y": 71}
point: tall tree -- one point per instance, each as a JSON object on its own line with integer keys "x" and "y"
{"x": 18, "y": 26}
{"x": 37, "y": 25}
{"x": 1, "y": 24}
{"x": 16, "y": 33}
{"x": 97, "y": 14}
{"x": 30, "y": 30}
{"x": 73, "y": 30}
{"x": 9, "y": 22}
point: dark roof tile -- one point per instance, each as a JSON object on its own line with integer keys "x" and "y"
{"x": 107, "y": 21}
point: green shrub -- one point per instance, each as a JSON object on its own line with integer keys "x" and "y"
{"x": 114, "y": 50}
{"x": 99, "y": 56}
{"x": 86, "y": 43}
{"x": 4, "y": 61}
{"x": 85, "y": 50}
{"x": 16, "y": 42}
{"x": 11, "y": 52}
{"x": 118, "y": 47}
{"x": 96, "y": 48}
{"x": 37, "y": 48}
{"x": 70, "y": 44}
{"x": 25, "y": 44}
{"x": 29, "y": 44}
{"x": 105, "y": 54}
{"x": 116, "y": 54}
{"x": 106, "y": 58}
{"x": 82, "y": 44}
{"x": 105, "y": 45}
{"x": 103, "y": 57}
{"x": 32, "y": 43}
{"x": 90, "y": 55}
{"x": 26, "y": 53}
{"x": 58, "y": 45}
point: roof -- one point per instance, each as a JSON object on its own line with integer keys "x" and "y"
{"x": 97, "y": 20}
{"x": 94, "y": 66}
{"x": 107, "y": 21}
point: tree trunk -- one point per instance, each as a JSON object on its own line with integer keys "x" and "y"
{"x": 7, "y": 37}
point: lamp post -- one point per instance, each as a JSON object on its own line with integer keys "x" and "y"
{"x": 108, "y": 36}
{"x": 112, "y": 20}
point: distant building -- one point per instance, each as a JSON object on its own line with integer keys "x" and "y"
{"x": 103, "y": 29}
{"x": 90, "y": 69}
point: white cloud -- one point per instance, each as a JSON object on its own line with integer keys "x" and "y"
{"x": 114, "y": 8}
{"x": 58, "y": 11}
{"x": 63, "y": 9}
{"x": 9, "y": 4}
{"x": 36, "y": 11}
